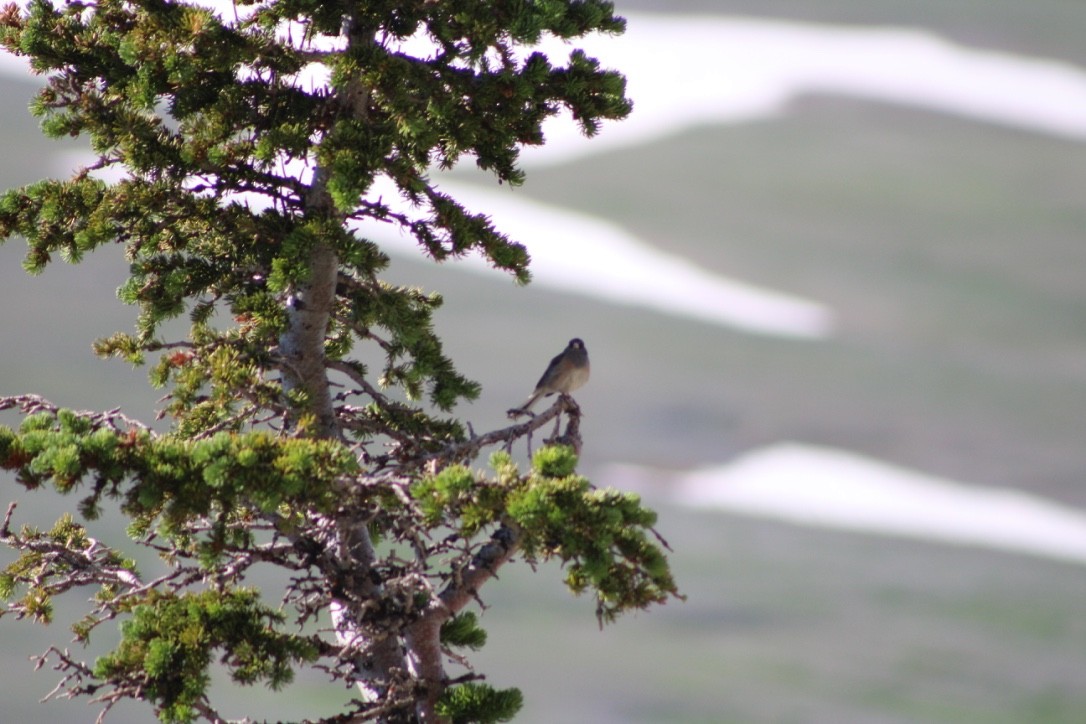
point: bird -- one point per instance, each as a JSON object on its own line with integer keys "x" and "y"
{"x": 566, "y": 372}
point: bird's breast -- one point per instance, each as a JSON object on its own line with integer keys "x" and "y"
{"x": 578, "y": 377}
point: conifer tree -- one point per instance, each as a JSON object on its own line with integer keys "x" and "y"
{"x": 237, "y": 153}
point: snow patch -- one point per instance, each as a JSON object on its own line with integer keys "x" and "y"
{"x": 827, "y": 487}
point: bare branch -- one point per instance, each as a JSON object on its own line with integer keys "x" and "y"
{"x": 63, "y": 567}
{"x": 470, "y": 449}
{"x": 484, "y": 565}
{"x": 31, "y": 404}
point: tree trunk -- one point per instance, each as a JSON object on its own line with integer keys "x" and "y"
{"x": 386, "y": 659}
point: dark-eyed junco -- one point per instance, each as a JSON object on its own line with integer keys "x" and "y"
{"x": 564, "y": 374}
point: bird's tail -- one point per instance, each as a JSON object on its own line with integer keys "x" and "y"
{"x": 527, "y": 406}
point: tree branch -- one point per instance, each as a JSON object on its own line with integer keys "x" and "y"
{"x": 508, "y": 435}
{"x": 60, "y": 567}
{"x": 484, "y": 565}
{"x": 31, "y": 404}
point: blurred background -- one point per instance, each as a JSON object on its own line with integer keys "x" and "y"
{"x": 830, "y": 275}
